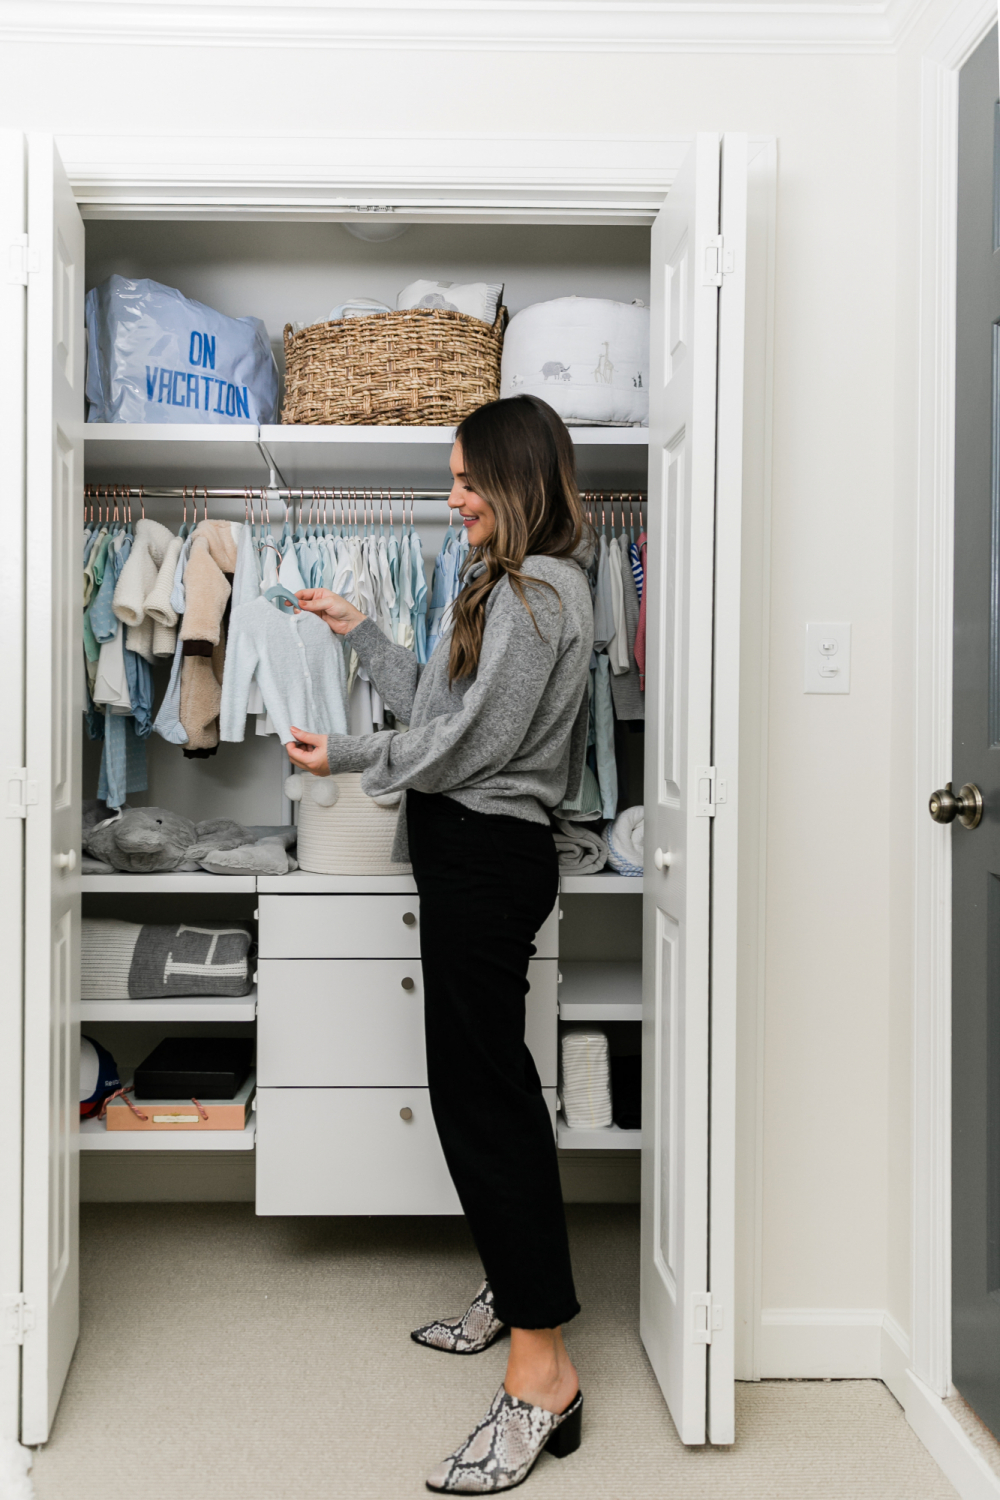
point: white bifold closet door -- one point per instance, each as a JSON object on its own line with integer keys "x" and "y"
{"x": 692, "y": 714}
{"x": 53, "y": 706}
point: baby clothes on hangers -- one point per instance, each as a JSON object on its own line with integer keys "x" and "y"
{"x": 158, "y": 606}
{"x": 123, "y": 691}
{"x": 419, "y": 586}
{"x": 625, "y": 690}
{"x": 618, "y": 653}
{"x": 299, "y": 664}
{"x": 640, "y": 634}
{"x": 207, "y": 588}
{"x": 137, "y": 581}
{"x": 404, "y": 633}
{"x": 289, "y": 575}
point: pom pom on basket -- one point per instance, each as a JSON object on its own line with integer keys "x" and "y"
{"x": 343, "y": 831}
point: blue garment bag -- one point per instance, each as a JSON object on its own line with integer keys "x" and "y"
{"x": 154, "y": 355}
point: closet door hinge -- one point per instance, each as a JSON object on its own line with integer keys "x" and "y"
{"x": 21, "y": 793}
{"x": 18, "y": 1318}
{"x": 21, "y": 260}
{"x": 720, "y": 261}
{"x": 705, "y": 791}
{"x": 706, "y": 1317}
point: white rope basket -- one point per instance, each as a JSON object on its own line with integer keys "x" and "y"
{"x": 353, "y": 835}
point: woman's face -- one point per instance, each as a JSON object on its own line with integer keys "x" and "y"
{"x": 476, "y": 513}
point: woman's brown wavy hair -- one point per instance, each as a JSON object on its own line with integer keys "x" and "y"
{"x": 518, "y": 456}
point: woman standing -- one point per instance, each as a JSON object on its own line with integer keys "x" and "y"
{"x": 497, "y": 734}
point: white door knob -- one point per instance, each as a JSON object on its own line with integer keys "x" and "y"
{"x": 66, "y": 861}
{"x": 661, "y": 860}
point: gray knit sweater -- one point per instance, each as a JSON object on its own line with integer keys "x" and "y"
{"x": 509, "y": 739}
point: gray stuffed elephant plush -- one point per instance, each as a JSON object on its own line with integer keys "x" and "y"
{"x": 151, "y": 840}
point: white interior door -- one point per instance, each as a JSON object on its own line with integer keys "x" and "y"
{"x": 53, "y": 614}
{"x": 13, "y": 299}
{"x": 679, "y": 1320}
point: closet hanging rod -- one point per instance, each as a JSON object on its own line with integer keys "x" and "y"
{"x": 328, "y": 492}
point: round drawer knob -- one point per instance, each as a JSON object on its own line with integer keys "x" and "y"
{"x": 410, "y": 918}
{"x": 408, "y": 983}
{"x": 406, "y": 1113}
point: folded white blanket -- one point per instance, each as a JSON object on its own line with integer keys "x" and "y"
{"x": 585, "y": 1082}
{"x": 624, "y": 838}
{"x": 582, "y": 850}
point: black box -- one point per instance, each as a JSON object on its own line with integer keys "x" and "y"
{"x": 188, "y": 1067}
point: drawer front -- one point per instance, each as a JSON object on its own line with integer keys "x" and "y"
{"x": 358, "y": 927}
{"x": 347, "y": 1023}
{"x": 339, "y": 927}
{"x": 348, "y": 1151}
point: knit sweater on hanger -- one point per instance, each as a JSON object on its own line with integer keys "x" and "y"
{"x": 509, "y": 739}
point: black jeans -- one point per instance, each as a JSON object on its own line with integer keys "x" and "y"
{"x": 486, "y": 885}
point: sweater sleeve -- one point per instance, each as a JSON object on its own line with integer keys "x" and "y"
{"x": 393, "y": 669}
{"x": 456, "y": 750}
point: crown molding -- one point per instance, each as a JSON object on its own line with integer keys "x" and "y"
{"x": 616, "y": 26}
{"x": 420, "y": 177}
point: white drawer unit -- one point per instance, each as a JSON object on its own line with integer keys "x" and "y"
{"x": 352, "y": 1151}
{"x": 339, "y": 927}
{"x": 359, "y": 927}
{"x": 341, "y": 1023}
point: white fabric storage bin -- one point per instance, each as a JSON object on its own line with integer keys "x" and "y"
{"x": 353, "y": 837}
{"x": 587, "y": 357}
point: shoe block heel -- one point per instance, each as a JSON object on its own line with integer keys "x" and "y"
{"x": 567, "y": 1436}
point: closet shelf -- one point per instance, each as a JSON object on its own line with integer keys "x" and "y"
{"x": 95, "y": 1136}
{"x": 162, "y": 453}
{"x": 610, "y": 1139}
{"x": 182, "y": 1008}
{"x": 600, "y": 991}
{"x": 602, "y": 883}
{"x": 301, "y": 883}
{"x": 243, "y": 453}
{"x": 199, "y": 881}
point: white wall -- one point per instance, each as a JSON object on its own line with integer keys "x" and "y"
{"x": 832, "y": 1017}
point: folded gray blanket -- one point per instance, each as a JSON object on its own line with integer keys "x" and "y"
{"x": 582, "y": 849}
{"x": 143, "y": 961}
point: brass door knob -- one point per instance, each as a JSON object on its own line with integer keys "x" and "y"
{"x": 967, "y": 807}
{"x": 406, "y": 1113}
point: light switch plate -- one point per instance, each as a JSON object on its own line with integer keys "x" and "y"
{"x": 828, "y": 656}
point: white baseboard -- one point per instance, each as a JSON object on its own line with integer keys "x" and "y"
{"x": 818, "y": 1343}
{"x": 815, "y": 1343}
{"x": 952, "y": 1448}
{"x": 895, "y": 1358}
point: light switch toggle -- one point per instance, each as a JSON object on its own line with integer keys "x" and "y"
{"x": 828, "y": 657}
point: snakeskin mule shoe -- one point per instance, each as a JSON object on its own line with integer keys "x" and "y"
{"x": 504, "y": 1447}
{"x": 475, "y": 1331}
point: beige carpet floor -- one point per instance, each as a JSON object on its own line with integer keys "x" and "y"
{"x": 237, "y": 1358}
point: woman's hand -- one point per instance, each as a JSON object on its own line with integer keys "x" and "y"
{"x": 309, "y": 750}
{"x": 333, "y": 608}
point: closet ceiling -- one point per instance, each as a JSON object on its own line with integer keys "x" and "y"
{"x": 467, "y": 25}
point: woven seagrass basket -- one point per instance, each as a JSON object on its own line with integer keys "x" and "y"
{"x": 353, "y": 837}
{"x": 421, "y": 367}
